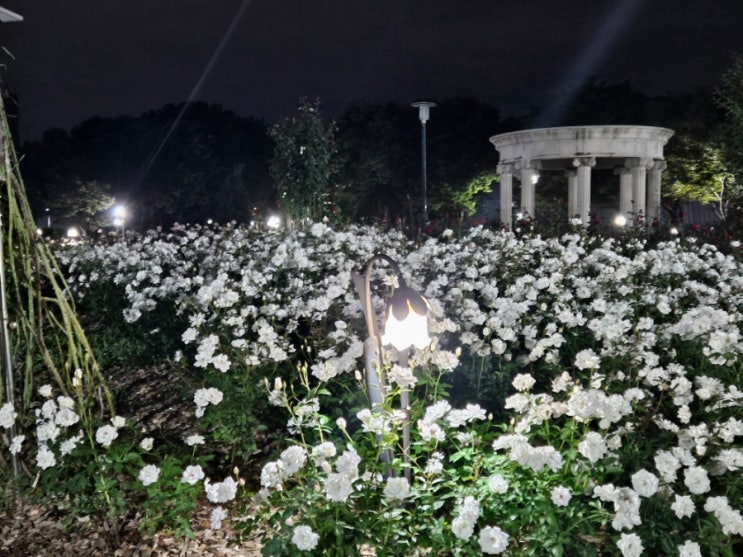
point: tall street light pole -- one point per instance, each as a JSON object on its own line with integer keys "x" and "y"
{"x": 423, "y": 115}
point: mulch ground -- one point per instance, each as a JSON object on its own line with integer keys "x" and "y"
{"x": 28, "y": 530}
{"x": 32, "y": 530}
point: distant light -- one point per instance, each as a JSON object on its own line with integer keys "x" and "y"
{"x": 73, "y": 232}
{"x": 534, "y": 178}
{"x": 119, "y": 212}
{"x": 118, "y": 222}
{"x": 209, "y": 221}
{"x": 674, "y": 231}
{"x": 620, "y": 220}
{"x": 40, "y": 231}
{"x": 273, "y": 221}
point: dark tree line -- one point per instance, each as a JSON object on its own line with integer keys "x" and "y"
{"x": 179, "y": 163}
{"x": 197, "y": 162}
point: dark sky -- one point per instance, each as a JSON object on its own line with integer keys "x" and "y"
{"x": 79, "y": 58}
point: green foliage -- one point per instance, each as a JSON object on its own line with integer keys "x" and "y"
{"x": 697, "y": 171}
{"x": 462, "y": 202}
{"x": 729, "y": 97}
{"x": 381, "y": 149}
{"x": 242, "y": 418}
{"x": 423, "y": 522}
{"x": 82, "y": 203}
{"x": 304, "y": 163}
{"x": 116, "y": 343}
{"x": 378, "y": 144}
{"x": 93, "y": 479}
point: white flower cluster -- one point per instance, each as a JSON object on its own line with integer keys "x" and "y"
{"x": 149, "y": 474}
{"x": 221, "y": 492}
{"x": 535, "y": 458}
{"x": 561, "y": 496}
{"x": 7, "y": 415}
{"x": 626, "y": 505}
{"x": 440, "y": 416}
{"x": 468, "y": 511}
{"x": 397, "y": 489}
{"x": 192, "y": 474}
{"x": 206, "y": 396}
{"x": 106, "y": 434}
{"x": 290, "y": 462}
{"x": 493, "y": 540}
{"x": 730, "y": 518}
{"x": 305, "y": 538}
{"x": 617, "y": 302}
{"x": 53, "y": 422}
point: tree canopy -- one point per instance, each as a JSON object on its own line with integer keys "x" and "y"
{"x": 191, "y": 162}
{"x": 184, "y": 162}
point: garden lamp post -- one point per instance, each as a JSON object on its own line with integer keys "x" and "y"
{"x": 424, "y": 112}
{"x": 405, "y": 327}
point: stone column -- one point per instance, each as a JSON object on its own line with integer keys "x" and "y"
{"x": 529, "y": 174}
{"x": 625, "y": 192}
{"x": 506, "y": 194}
{"x": 583, "y": 167}
{"x": 572, "y": 193}
{"x": 654, "y": 177}
{"x": 638, "y": 167}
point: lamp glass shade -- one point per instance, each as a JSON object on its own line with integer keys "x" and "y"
{"x": 401, "y": 334}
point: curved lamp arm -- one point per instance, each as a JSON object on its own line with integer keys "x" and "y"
{"x": 405, "y": 322}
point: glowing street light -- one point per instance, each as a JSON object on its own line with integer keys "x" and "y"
{"x": 119, "y": 212}
{"x": 120, "y": 215}
{"x": 405, "y": 327}
{"x": 273, "y": 222}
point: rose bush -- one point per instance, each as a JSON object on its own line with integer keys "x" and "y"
{"x": 581, "y": 397}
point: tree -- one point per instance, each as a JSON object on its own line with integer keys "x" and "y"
{"x": 182, "y": 162}
{"x": 381, "y": 146}
{"x": 83, "y": 203}
{"x": 304, "y": 162}
{"x": 729, "y": 98}
{"x": 697, "y": 172}
{"x": 461, "y": 202}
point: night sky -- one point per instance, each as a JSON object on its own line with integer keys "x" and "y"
{"x": 78, "y": 58}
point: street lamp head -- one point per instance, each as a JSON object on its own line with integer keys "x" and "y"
{"x": 424, "y": 110}
{"x": 406, "y": 322}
